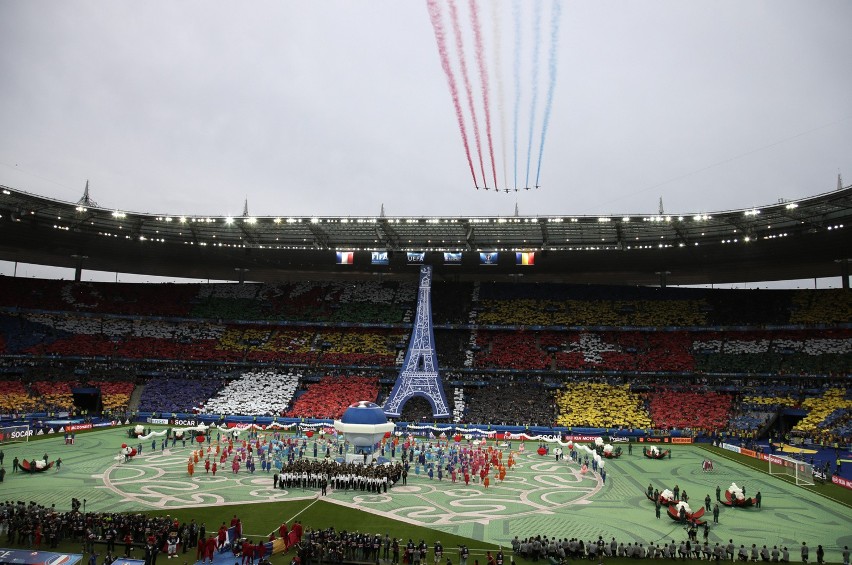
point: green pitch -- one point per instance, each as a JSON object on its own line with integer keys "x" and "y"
{"x": 539, "y": 495}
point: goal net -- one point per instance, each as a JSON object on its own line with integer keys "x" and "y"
{"x": 12, "y": 434}
{"x": 801, "y": 472}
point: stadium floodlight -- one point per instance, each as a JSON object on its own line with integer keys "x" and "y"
{"x": 801, "y": 472}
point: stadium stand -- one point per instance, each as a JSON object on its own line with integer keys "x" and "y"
{"x": 332, "y": 395}
{"x": 177, "y": 394}
{"x": 182, "y": 343}
{"x": 255, "y": 393}
{"x": 600, "y": 405}
{"x": 14, "y": 398}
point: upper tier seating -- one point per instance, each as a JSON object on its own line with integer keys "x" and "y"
{"x": 512, "y": 350}
{"x": 829, "y": 306}
{"x": 393, "y": 302}
{"x": 807, "y": 351}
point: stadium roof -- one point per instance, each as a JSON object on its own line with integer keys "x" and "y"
{"x": 806, "y": 238}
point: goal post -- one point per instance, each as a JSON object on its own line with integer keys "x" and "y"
{"x": 14, "y": 434}
{"x": 799, "y": 471}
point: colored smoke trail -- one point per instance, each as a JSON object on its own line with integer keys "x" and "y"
{"x": 438, "y": 27}
{"x": 554, "y": 44}
{"x": 483, "y": 82}
{"x": 536, "y": 41}
{"x": 498, "y": 73}
{"x": 516, "y": 65}
{"x": 454, "y": 17}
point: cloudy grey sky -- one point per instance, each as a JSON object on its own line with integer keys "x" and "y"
{"x": 334, "y": 108}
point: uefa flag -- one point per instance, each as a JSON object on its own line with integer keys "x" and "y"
{"x": 452, "y": 258}
{"x": 489, "y": 258}
{"x": 525, "y": 258}
{"x": 345, "y": 257}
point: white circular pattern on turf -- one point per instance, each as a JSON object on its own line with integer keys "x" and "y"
{"x": 161, "y": 480}
{"x": 533, "y": 485}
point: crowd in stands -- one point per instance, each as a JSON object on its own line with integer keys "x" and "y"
{"x": 255, "y": 393}
{"x": 600, "y": 405}
{"x": 115, "y": 395}
{"x": 14, "y": 398}
{"x": 689, "y": 408}
{"x": 55, "y": 395}
{"x": 393, "y": 301}
{"x": 458, "y": 404}
{"x": 509, "y": 403}
{"x": 452, "y": 347}
{"x": 362, "y": 347}
{"x": 828, "y": 306}
{"x": 170, "y": 394}
{"x": 417, "y": 409}
{"x": 834, "y": 406}
{"x": 279, "y": 345}
{"x": 332, "y": 395}
{"x": 510, "y": 350}
{"x": 134, "y": 325}
{"x": 803, "y": 351}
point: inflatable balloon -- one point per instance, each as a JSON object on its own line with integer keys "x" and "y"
{"x": 199, "y": 439}
{"x": 123, "y": 445}
{"x": 132, "y": 452}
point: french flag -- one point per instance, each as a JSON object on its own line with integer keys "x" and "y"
{"x": 345, "y": 257}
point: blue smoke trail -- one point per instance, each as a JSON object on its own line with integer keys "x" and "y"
{"x": 516, "y": 15}
{"x": 536, "y": 41}
{"x": 554, "y": 44}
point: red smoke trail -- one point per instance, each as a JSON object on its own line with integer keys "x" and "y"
{"x": 438, "y": 26}
{"x": 483, "y": 79}
{"x": 454, "y": 16}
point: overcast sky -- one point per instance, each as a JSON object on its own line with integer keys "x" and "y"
{"x": 335, "y": 108}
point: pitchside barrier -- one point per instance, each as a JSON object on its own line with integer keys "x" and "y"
{"x": 14, "y": 434}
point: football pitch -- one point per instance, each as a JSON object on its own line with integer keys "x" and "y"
{"x": 539, "y": 496}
